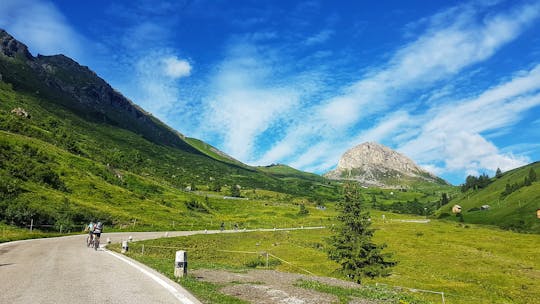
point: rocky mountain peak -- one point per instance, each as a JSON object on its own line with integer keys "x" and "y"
{"x": 377, "y": 165}
{"x": 11, "y": 47}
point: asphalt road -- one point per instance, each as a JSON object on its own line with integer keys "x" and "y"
{"x": 64, "y": 270}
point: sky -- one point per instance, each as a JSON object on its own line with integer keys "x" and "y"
{"x": 454, "y": 85}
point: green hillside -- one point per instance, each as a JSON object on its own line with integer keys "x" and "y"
{"x": 73, "y": 149}
{"x": 289, "y": 172}
{"x": 515, "y": 210}
{"x": 61, "y": 169}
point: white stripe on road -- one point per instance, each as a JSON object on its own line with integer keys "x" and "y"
{"x": 182, "y": 298}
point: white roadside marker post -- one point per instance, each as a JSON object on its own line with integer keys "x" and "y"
{"x": 125, "y": 246}
{"x": 180, "y": 264}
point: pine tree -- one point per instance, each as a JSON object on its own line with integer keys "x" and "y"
{"x": 351, "y": 245}
{"x": 498, "y": 173}
{"x": 444, "y": 199}
{"x": 532, "y": 175}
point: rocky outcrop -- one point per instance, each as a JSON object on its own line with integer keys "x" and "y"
{"x": 20, "y": 112}
{"x": 13, "y": 48}
{"x": 373, "y": 164}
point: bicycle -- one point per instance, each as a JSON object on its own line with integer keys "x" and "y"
{"x": 96, "y": 242}
{"x": 89, "y": 241}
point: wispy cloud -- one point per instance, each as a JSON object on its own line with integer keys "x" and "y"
{"x": 157, "y": 82}
{"x": 320, "y": 37}
{"x": 42, "y": 27}
{"x": 452, "y": 134}
{"x": 246, "y": 99}
{"x": 446, "y": 47}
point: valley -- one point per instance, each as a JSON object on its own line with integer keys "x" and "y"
{"x": 74, "y": 150}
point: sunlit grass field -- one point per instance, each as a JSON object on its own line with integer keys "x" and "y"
{"x": 10, "y": 233}
{"x": 470, "y": 264}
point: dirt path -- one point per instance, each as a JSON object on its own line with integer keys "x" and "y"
{"x": 269, "y": 286}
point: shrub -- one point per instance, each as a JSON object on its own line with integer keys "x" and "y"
{"x": 196, "y": 206}
{"x": 260, "y": 261}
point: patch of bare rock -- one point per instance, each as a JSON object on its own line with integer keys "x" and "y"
{"x": 270, "y": 286}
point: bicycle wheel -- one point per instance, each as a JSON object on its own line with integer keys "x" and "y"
{"x": 96, "y": 243}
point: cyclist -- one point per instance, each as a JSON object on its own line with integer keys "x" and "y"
{"x": 90, "y": 229}
{"x": 98, "y": 229}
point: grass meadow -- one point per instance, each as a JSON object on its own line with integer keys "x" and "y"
{"x": 10, "y": 233}
{"x": 469, "y": 263}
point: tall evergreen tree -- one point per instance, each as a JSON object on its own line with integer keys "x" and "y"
{"x": 532, "y": 175}
{"x": 498, "y": 173}
{"x": 351, "y": 245}
{"x": 444, "y": 199}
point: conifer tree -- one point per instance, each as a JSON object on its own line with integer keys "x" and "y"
{"x": 351, "y": 245}
{"x": 532, "y": 175}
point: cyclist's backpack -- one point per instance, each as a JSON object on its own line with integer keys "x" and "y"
{"x": 98, "y": 227}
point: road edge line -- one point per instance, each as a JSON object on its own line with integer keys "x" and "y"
{"x": 172, "y": 289}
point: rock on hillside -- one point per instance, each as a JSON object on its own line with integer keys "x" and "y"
{"x": 373, "y": 164}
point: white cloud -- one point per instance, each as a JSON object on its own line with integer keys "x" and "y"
{"x": 246, "y": 100}
{"x": 461, "y": 39}
{"x": 389, "y": 125}
{"x": 451, "y": 134}
{"x": 319, "y": 38}
{"x": 176, "y": 68}
{"x": 155, "y": 87}
{"x": 41, "y": 26}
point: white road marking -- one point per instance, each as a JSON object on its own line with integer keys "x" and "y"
{"x": 182, "y": 298}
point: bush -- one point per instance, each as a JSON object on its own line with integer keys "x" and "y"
{"x": 196, "y": 206}
{"x": 260, "y": 261}
{"x": 444, "y": 215}
{"x": 303, "y": 211}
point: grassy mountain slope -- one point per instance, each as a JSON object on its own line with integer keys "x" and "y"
{"x": 516, "y": 210}
{"x": 73, "y": 149}
{"x": 56, "y": 162}
{"x": 62, "y": 81}
{"x": 289, "y": 172}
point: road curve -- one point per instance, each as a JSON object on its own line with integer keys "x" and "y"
{"x": 63, "y": 270}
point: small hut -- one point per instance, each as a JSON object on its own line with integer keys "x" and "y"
{"x": 456, "y": 209}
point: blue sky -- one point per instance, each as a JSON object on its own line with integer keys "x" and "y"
{"x": 454, "y": 85}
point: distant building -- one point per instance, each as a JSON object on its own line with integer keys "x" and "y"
{"x": 456, "y": 209}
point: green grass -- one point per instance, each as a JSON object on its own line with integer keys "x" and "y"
{"x": 10, "y": 233}
{"x": 365, "y": 292}
{"x": 516, "y": 211}
{"x": 114, "y": 175}
{"x": 469, "y": 263}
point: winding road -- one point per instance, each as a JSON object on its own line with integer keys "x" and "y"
{"x": 63, "y": 270}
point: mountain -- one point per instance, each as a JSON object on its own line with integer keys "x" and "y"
{"x": 373, "y": 164}
{"x": 72, "y": 145}
{"x": 61, "y": 80}
{"x": 509, "y": 201}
